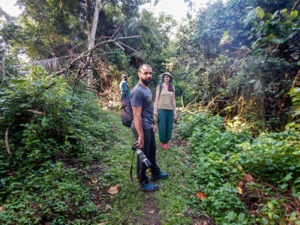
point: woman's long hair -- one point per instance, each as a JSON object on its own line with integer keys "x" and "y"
{"x": 170, "y": 87}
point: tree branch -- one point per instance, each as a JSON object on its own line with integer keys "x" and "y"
{"x": 6, "y": 141}
{"x": 295, "y": 5}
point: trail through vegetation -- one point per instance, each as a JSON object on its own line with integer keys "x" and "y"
{"x": 209, "y": 180}
{"x": 68, "y": 163}
{"x": 131, "y": 206}
{"x": 64, "y": 155}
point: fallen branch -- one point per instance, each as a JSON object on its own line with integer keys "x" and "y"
{"x": 90, "y": 51}
{"x": 35, "y": 111}
{"x": 6, "y": 142}
{"x": 132, "y": 49}
{"x": 87, "y": 55}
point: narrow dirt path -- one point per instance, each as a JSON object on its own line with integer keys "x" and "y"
{"x": 169, "y": 205}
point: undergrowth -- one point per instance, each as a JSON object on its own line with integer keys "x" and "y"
{"x": 54, "y": 135}
{"x": 230, "y": 169}
{"x": 60, "y": 154}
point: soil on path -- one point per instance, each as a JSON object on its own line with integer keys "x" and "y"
{"x": 150, "y": 211}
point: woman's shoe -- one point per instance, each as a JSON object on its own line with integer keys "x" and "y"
{"x": 167, "y": 146}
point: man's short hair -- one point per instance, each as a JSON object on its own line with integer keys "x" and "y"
{"x": 142, "y": 65}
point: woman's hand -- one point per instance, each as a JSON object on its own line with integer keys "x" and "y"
{"x": 156, "y": 113}
{"x": 175, "y": 116}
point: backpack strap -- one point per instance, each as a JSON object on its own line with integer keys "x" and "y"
{"x": 160, "y": 88}
{"x": 130, "y": 172}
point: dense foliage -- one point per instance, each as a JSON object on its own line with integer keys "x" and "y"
{"x": 51, "y": 136}
{"x": 238, "y": 59}
{"x": 243, "y": 57}
{"x": 222, "y": 160}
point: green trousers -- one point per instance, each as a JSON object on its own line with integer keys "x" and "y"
{"x": 165, "y": 124}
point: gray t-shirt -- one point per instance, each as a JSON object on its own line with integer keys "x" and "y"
{"x": 142, "y": 96}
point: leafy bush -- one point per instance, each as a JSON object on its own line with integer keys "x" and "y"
{"x": 273, "y": 157}
{"x": 221, "y": 157}
{"x": 191, "y": 120}
{"x": 209, "y": 138}
{"x": 52, "y": 134}
{"x": 211, "y": 147}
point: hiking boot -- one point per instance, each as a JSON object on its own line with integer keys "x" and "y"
{"x": 160, "y": 176}
{"x": 148, "y": 187}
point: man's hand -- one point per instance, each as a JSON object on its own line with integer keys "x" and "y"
{"x": 140, "y": 142}
{"x": 154, "y": 127}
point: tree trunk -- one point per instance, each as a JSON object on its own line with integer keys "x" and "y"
{"x": 91, "y": 38}
{"x": 3, "y": 67}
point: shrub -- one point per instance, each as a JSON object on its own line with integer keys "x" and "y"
{"x": 191, "y": 120}
{"x": 273, "y": 157}
{"x": 47, "y": 128}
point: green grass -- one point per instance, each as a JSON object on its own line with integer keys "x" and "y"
{"x": 127, "y": 207}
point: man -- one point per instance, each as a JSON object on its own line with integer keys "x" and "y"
{"x": 124, "y": 89}
{"x": 143, "y": 127}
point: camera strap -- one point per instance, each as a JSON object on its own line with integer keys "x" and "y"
{"x": 131, "y": 178}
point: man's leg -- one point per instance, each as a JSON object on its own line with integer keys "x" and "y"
{"x": 140, "y": 166}
{"x": 151, "y": 154}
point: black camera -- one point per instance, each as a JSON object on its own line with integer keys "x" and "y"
{"x": 141, "y": 155}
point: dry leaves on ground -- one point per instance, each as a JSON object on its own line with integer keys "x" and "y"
{"x": 114, "y": 190}
{"x": 201, "y": 196}
{"x": 248, "y": 178}
{"x": 240, "y": 190}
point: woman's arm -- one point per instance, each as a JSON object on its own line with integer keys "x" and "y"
{"x": 174, "y": 105}
{"x": 156, "y": 101}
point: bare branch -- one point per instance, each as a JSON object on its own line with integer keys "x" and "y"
{"x": 6, "y": 141}
{"x": 296, "y": 3}
{"x": 120, "y": 46}
{"x": 90, "y": 51}
{"x": 35, "y": 111}
{"x": 116, "y": 31}
{"x": 296, "y": 78}
{"x": 130, "y": 48}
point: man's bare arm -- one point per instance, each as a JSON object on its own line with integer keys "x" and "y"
{"x": 138, "y": 123}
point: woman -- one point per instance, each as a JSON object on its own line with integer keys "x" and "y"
{"x": 165, "y": 109}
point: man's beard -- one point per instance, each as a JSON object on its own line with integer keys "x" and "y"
{"x": 146, "y": 81}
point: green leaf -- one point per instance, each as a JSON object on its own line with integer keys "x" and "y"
{"x": 231, "y": 216}
{"x": 45, "y": 122}
{"x": 294, "y": 14}
{"x": 270, "y": 205}
{"x": 284, "y": 12}
{"x": 260, "y": 12}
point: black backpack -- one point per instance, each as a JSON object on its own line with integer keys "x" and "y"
{"x": 126, "y": 112}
